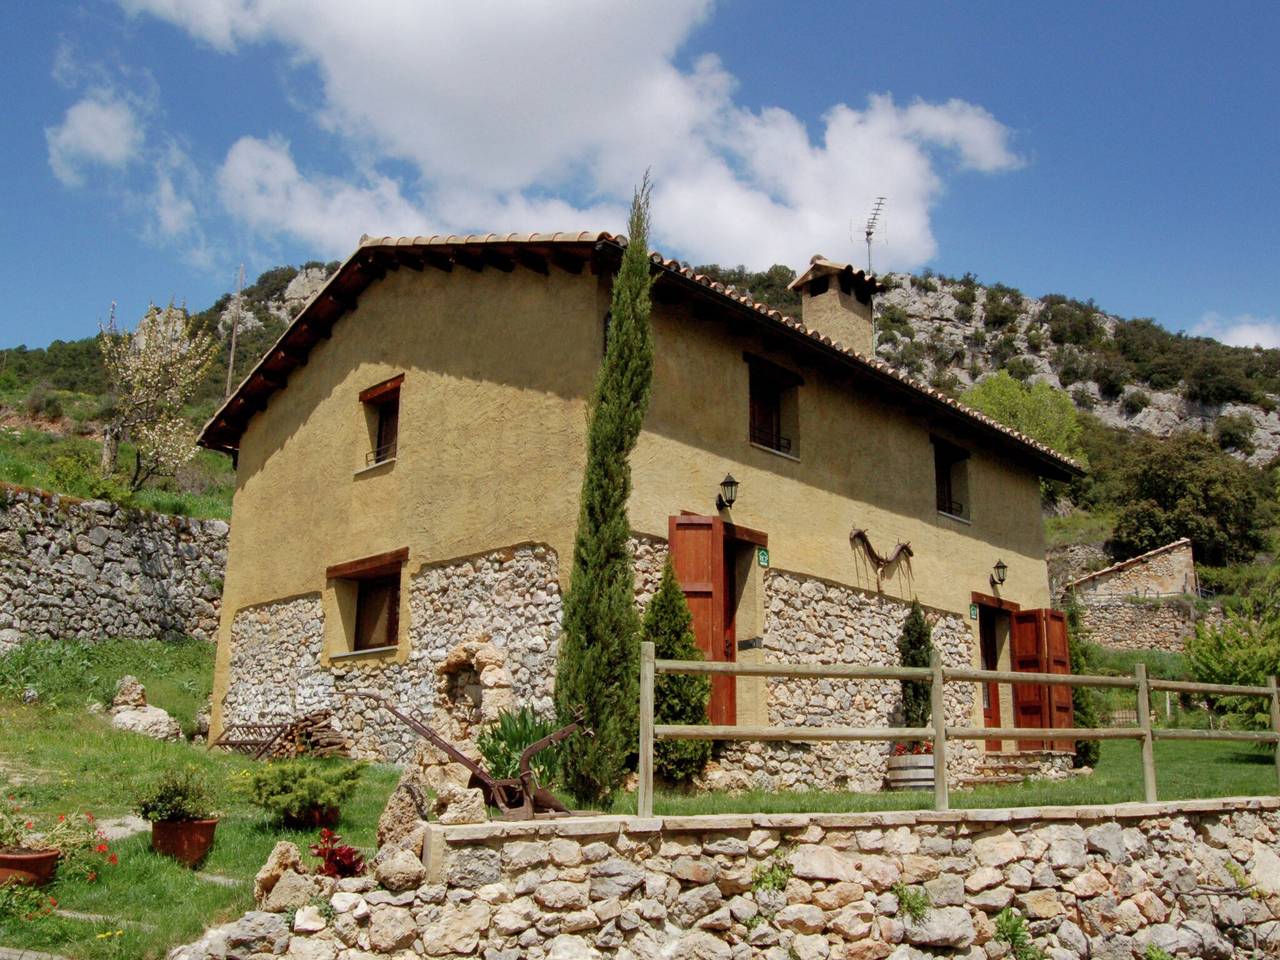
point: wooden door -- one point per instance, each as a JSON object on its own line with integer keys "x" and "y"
{"x": 1026, "y": 648}
{"x": 697, "y": 547}
{"x": 1039, "y": 645}
{"x": 990, "y": 661}
{"x": 1058, "y": 660}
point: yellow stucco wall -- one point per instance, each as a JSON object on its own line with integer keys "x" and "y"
{"x": 497, "y": 368}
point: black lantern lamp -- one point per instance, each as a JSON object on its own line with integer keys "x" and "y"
{"x": 1001, "y": 570}
{"x": 728, "y": 492}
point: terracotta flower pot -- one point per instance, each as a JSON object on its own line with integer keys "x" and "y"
{"x": 314, "y": 819}
{"x": 187, "y": 841}
{"x": 32, "y": 868}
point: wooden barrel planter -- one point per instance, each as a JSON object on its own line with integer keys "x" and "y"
{"x": 911, "y": 771}
{"x": 187, "y": 841}
{"x": 32, "y": 868}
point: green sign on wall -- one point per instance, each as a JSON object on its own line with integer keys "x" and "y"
{"x": 762, "y": 556}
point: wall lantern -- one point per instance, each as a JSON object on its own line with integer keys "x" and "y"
{"x": 728, "y": 492}
{"x": 1001, "y": 571}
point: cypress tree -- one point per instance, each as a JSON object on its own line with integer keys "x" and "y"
{"x": 677, "y": 698}
{"x": 914, "y": 647}
{"x": 599, "y": 660}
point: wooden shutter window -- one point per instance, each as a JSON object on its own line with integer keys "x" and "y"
{"x": 377, "y": 613}
{"x": 385, "y": 397}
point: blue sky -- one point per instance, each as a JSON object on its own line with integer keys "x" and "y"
{"x": 1119, "y": 151}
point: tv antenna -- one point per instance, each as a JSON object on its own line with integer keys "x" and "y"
{"x": 873, "y": 222}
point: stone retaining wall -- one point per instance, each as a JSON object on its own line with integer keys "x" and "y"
{"x": 1195, "y": 879}
{"x": 91, "y": 570}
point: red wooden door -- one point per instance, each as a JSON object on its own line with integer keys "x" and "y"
{"x": 1058, "y": 660}
{"x": 698, "y": 554}
{"x": 990, "y": 661}
{"x": 1039, "y": 645}
{"x": 1026, "y": 649}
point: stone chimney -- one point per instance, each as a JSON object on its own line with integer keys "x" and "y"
{"x": 835, "y": 301}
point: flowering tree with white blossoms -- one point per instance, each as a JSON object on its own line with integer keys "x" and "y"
{"x": 152, "y": 373}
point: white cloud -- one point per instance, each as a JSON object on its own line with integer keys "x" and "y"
{"x": 544, "y": 115}
{"x": 260, "y": 184}
{"x": 1241, "y": 330}
{"x": 100, "y": 128}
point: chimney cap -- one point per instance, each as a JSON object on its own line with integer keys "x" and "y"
{"x": 820, "y": 266}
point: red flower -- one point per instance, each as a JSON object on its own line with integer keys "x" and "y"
{"x": 62, "y": 818}
{"x": 92, "y": 876}
{"x": 53, "y": 902}
{"x": 101, "y": 848}
{"x": 113, "y": 859}
{"x": 31, "y": 824}
{"x": 88, "y": 816}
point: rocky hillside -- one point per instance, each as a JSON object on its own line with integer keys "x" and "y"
{"x": 1129, "y": 373}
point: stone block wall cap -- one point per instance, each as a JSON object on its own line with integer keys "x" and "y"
{"x": 985, "y": 818}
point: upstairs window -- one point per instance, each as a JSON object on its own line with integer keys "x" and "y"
{"x": 382, "y": 412}
{"x": 774, "y": 404}
{"x": 951, "y": 478}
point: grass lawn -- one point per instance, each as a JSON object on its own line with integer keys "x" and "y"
{"x": 1184, "y": 770}
{"x": 58, "y": 758}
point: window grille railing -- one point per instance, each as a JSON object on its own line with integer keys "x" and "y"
{"x": 766, "y": 437}
{"x": 380, "y": 454}
{"x": 953, "y": 507}
{"x": 938, "y": 732}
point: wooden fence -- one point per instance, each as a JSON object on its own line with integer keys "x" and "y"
{"x": 937, "y": 676}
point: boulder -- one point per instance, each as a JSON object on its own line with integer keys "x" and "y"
{"x": 461, "y": 805}
{"x": 284, "y": 857}
{"x": 701, "y": 946}
{"x": 130, "y": 694}
{"x": 149, "y": 721}
{"x": 291, "y": 891}
{"x": 309, "y": 919}
{"x": 256, "y": 932}
{"x": 407, "y": 807}
{"x": 401, "y": 871}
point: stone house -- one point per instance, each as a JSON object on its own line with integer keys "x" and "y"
{"x": 409, "y": 457}
{"x": 1143, "y": 603}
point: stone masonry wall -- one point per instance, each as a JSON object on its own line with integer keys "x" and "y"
{"x": 814, "y": 621}
{"x": 1198, "y": 879}
{"x": 1168, "y": 570}
{"x": 1131, "y": 623}
{"x": 91, "y": 570}
{"x": 509, "y": 598}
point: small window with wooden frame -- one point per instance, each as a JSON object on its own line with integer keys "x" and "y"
{"x": 382, "y": 415}
{"x": 368, "y": 597}
{"x": 775, "y": 406}
{"x": 951, "y": 479}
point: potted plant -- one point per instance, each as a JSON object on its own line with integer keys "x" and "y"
{"x": 911, "y": 762}
{"x": 26, "y": 857}
{"x": 30, "y": 851}
{"x": 304, "y": 794}
{"x": 180, "y": 810}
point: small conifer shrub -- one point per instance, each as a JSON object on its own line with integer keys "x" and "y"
{"x": 914, "y": 648}
{"x": 677, "y": 698}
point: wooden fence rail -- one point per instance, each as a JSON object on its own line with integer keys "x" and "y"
{"x": 938, "y": 732}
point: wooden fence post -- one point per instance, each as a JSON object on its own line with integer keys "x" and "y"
{"x": 644, "y": 788}
{"x": 1148, "y": 743}
{"x": 1275, "y": 718}
{"x": 938, "y": 708}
